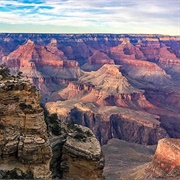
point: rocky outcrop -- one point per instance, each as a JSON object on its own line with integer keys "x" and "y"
{"x": 166, "y": 161}
{"x": 53, "y": 48}
{"x": 81, "y": 155}
{"x": 121, "y": 123}
{"x": 99, "y": 57}
{"x": 30, "y": 53}
{"x": 112, "y": 122}
{"x": 140, "y": 91}
{"x": 81, "y": 46}
{"x": 23, "y": 133}
{"x": 147, "y": 63}
{"x": 28, "y": 151}
{"x": 91, "y": 51}
{"x": 148, "y": 73}
{"x": 164, "y": 165}
{"x": 76, "y": 151}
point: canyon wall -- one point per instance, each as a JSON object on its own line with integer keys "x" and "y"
{"x": 106, "y": 75}
{"x": 24, "y": 145}
{"x": 30, "y": 149}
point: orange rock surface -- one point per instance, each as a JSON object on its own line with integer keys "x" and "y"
{"x": 167, "y": 156}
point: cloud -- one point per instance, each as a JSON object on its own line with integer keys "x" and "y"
{"x": 109, "y": 14}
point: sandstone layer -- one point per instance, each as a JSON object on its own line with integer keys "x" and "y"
{"x": 28, "y": 151}
{"x": 23, "y": 130}
{"x": 140, "y": 91}
{"x": 76, "y": 151}
{"x": 167, "y": 157}
{"x": 81, "y": 155}
{"x": 46, "y": 67}
{"x": 164, "y": 165}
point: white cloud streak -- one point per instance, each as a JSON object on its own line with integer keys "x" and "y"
{"x": 101, "y": 13}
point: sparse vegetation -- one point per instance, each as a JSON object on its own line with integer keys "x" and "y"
{"x": 15, "y": 174}
{"x": 19, "y": 74}
{"x": 53, "y": 123}
{"x": 4, "y": 72}
{"x": 24, "y": 106}
{"x": 79, "y": 133}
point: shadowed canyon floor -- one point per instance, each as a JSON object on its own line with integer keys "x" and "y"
{"x": 130, "y": 161}
{"x": 121, "y": 157}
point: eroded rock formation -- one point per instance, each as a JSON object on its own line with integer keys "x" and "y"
{"x": 29, "y": 151}
{"x": 45, "y": 66}
{"x": 24, "y": 145}
{"x": 140, "y": 91}
{"x": 133, "y": 161}
{"x": 105, "y": 101}
{"x": 81, "y": 155}
{"x": 166, "y": 161}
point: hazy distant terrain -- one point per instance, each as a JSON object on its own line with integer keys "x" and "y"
{"x": 121, "y": 86}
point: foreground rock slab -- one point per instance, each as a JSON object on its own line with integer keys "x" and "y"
{"x": 81, "y": 155}
{"x": 166, "y": 160}
{"x": 24, "y": 146}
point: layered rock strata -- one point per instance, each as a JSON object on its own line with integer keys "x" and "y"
{"x": 164, "y": 165}
{"x": 166, "y": 160}
{"x": 133, "y": 161}
{"x": 23, "y": 133}
{"x": 28, "y": 151}
{"x": 81, "y": 155}
{"x": 76, "y": 152}
{"x": 106, "y": 102}
{"x": 46, "y": 67}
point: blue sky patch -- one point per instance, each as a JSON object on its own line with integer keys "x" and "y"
{"x": 87, "y": 16}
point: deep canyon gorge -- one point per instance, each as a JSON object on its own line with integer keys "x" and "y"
{"x": 98, "y": 93}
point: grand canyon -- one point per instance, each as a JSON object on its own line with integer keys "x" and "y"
{"x": 79, "y": 102}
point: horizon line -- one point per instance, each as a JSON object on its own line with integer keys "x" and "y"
{"x": 76, "y": 33}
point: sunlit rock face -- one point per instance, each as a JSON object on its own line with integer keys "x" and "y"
{"x": 35, "y": 147}
{"x": 45, "y": 66}
{"x": 24, "y": 147}
{"x": 120, "y": 86}
{"x": 81, "y": 155}
{"x": 166, "y": 157}
{"x": 106, "y": 102}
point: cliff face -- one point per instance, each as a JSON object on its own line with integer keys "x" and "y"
{"x": 81, "y": 155}
{"x": 164, "y": 165}
{"x": 44, "y": 52}
{"x": 28, "y": 151}
{"x": 45, "y": 66}
{"x": 107, "y": 103}
{"x": 133, "y": 94}
{"x": 23, "y": 131}
{"x": 166, "y": 160}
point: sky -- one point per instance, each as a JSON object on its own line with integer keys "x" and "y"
{"x": 91, "y": 16}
